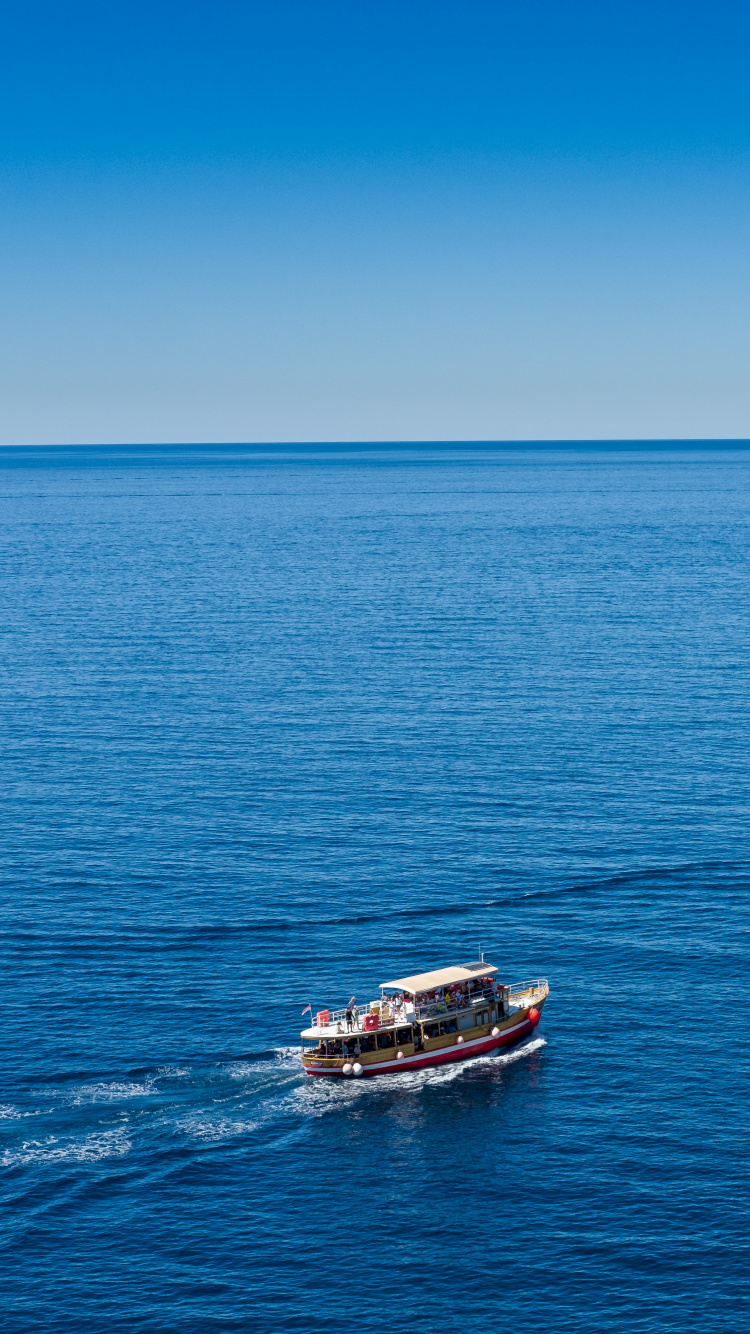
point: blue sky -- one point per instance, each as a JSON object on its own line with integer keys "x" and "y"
{"x": 306, "y": 220}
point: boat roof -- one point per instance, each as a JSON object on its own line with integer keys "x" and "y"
{"x": 442, "y": 977}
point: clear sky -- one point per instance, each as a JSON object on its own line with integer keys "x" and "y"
{"x": 374, "y": 220}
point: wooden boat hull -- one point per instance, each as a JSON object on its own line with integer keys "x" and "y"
{"x": 442, "y": 1056}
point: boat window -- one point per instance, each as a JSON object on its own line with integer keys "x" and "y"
{"x": 431, "y": 1030}
{"x": 466, "y": 1020}
{"x": 385, "y": 1040}
{"x": 448, "y": 1026}
{"x": 404, "y": 1035}
{"x": 368, "y": 1043}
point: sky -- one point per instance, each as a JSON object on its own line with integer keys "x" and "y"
{"x": 302, "y": 220}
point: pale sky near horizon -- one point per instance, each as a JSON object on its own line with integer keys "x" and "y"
{"x": 296, "y": 220}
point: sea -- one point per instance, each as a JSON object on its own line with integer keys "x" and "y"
{"x": 282, "y": 723}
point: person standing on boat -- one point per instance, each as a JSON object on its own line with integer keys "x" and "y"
{"x": 351, "y": 1014}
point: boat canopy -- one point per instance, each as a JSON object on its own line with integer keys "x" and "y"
{"x": 441, "y": 977}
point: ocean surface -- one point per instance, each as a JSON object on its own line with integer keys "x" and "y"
{"x": 278, "y": 726}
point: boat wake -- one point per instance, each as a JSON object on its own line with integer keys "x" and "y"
{"x": 53, "y": 1150}
{"x": 196, "y": 1107}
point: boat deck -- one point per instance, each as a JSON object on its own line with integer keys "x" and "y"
{"x": 520, "y": 996}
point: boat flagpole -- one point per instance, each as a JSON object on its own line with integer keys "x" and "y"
{"x": 304, "y": 1012}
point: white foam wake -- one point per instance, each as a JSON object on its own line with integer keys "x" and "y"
{"x": 115, "y": 1091}
{"x": 105, "y": 1144}
{"x": 233, "y": 1099}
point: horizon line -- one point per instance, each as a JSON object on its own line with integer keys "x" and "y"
{"x": 278, "y": 446}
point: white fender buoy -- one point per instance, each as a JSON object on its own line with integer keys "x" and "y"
{"x": 346, "y": 1069}
{"x": 496, "y": 1032}
{"x": 399, "y": 1056}
{"x": 357, "y": 1068}
{"x": 459, "y": 1040}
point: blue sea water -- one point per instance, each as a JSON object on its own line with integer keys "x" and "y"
{"x": 279, "y": 726}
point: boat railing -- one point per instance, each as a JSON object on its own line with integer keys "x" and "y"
{"x": 392, "y": 1015}
{"x": 332, "y": 1018}
{"x": 521, "y": 988}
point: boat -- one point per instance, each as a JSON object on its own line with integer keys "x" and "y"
{"x": 449, "y": 1014}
